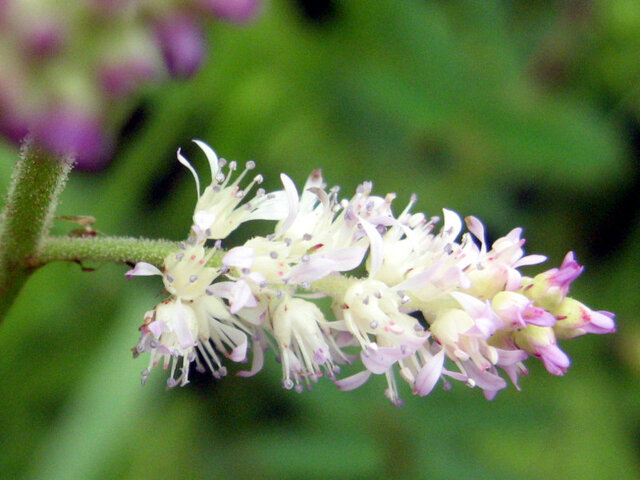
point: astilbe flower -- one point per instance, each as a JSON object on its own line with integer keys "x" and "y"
{"x": 432, "y": 306}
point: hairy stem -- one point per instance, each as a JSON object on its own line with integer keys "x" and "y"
{"x": 36, "y": 184}
{"x": 103, "y": 249}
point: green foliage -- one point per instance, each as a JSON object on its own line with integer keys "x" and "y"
{"x": 444, "y": 99}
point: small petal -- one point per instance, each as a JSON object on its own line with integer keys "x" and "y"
{"x": 429, "y": 374}
{"x": 143, "y": 269}
{"x": 354, "y": 381}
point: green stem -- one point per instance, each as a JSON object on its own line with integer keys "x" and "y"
{"x": 36, "y": 184}
{"x": 103, "y": 249}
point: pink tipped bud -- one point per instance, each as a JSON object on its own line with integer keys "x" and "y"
{"x": 549, "y": 288}
{"x": 575, "y": 319}
{"x": 182, "y": 44}
{"x": 541, "y": 342}
{"x": 233, "y": 10}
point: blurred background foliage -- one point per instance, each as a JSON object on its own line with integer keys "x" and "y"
{"x": 524, "y": 113}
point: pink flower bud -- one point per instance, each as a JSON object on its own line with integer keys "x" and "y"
{"x": 182, "y": 44}
{"x": 575, "y": 319}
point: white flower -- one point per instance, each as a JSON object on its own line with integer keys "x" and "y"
{"x": 428, "y": 299}
{"x": 305, "y": 347}
{"x": 218, "y": 211}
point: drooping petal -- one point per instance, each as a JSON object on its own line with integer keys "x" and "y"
{"x": 429, "y": 374}
{"x": 380, "y": 360}
{"x": 354, "y": 381}
{"x": 257, "y": 363}
{"x": 143, "y": 269}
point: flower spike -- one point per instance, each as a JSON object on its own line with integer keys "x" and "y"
{"x": 432, "y": 304}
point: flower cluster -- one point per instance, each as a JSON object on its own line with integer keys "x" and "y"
{"x": 431, "y": 306}
{"x": 67, "y": 71}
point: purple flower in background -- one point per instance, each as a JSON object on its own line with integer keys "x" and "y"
{"x": 43, "y": 38}
{"x": 182, "y": 44}
{"x": 67, "y": 131}
{"x": 232, "y": 10}
{"x": 4, "y": 4}
{"x": 111, "y": 6}
{"x": 123, "y": 78}
{"x": 100, "y": 53}
{"x": 13, "y": 125}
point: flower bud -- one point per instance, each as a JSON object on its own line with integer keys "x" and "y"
{"x": 182, "y": 44}
{"x": 575, "y": 319}
{"x": 549, "y": 288}
{"x": 541, "y": 342}
{"x": 518, "y": 311}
